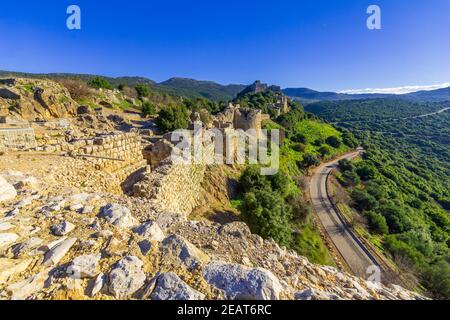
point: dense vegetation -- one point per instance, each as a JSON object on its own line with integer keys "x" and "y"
{"x": 401, "y": 186}
{"x": 276, "y": 207}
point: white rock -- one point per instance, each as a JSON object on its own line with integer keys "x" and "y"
{"x": 54, "y": 256}
{"x": 10, "y": 267}
{"x": 87, "y": 210}
{"x": 242, "y": 283}
{"x": 7, "y": 191}
{"x": 63, "y": 228}
{"x": 126, "y": 277}
{"x": 5, "y": 226}
{"x": 26, "y": 288}
{"x": 7, "y": 239}
{"x": 96, "y": 285}
{"x": 23, "y": 248}
{"x": 311, "y": 294}
{"x": 184, "y": 251}
{"x": 151, "y": 231}
{"x": 84, "y": 266}
{"x": 119, "y": 216}
{"x": 170, "y": 287}
{"x": 76, "y": 207}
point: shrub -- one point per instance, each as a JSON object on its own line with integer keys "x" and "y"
{"x": 363, "y": 201}
{"x": 100, "y": 83}
{"x": 78, "y": 89}
{"x": 268, "y": 215}
{"x": 377, "y": 223}
{"x": 366, "y": 171}
{"x": 346, "y": 165}
{"x": 325, "y": 151}
{"x": 172, "y": 118}
{"x": 299, "y": 147}
{"x": 310, "y": 160}
{"x": 148, "y": 108}
{"x": 334, "y": 141}
{"x": 142, "y": 90}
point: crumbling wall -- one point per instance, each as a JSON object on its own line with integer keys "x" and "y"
{"x": 173, "y": 188}
{"x": 17, "y": 138}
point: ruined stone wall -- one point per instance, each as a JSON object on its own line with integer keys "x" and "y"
{"x": 17, "y": 138}
{"x": 117, "y": 153}
{"x": 172, "y": 188}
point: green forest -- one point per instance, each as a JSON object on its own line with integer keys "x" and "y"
{"x": 401, "y": 186}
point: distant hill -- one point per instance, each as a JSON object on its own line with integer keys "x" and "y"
{"x": 306, "y": 95}
{"x": 206, "y": 89}
{"x": 431, "y": 96}
{"x": 188, "y": 88}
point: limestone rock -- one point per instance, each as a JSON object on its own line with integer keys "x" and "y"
{"x": 54, "y": 256}
{"x": 26, "y": 288}
{"x": 184, "y": 251}
{"x": 236, "y": 229}
{"x": 7, "y": 239}
{"x": 126, "y": 277}
{"x": 63, "y": 228}
{"x": 170, "y": 287}
{"x": 5, "y": 226}
{"x": 311, "y": 294}
{"x": 85, "y": 266}
{"x": 96, "y": 285}
{"x": 150, "y": 230}
{"x": 9, "y": 267}
{"x": 241, "y": 283}
{"x": 119, "y": 216}
{"x": 22, "y": 248}
{"x": 7, "y": 191}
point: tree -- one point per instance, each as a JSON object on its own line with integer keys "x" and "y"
{"x": 437, "y": 279}
{"x": 377, "y": 223}
{"x": 351, "y": 178}
{"x": 310, "y": 160}
{"x": 334, "y": 141}
{"x": 363, "y": 200}
{"x": 142, "y": 90}
{"x": 346, "y": 165}
{"x": 268, "y": 215}
{"x": 148, "y": 108}
{"x": 100, "y": 83}
{"x": 325, "y": 151}
{"x": 172, "y": 118}
{"x": 366, "y": 171}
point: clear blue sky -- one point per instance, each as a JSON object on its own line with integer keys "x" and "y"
{"x": 321, "y": 44}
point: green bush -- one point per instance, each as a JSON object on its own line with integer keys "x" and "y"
{"x": 325, "y": 151}
{"x": 363, "y": 201}
{"x": 148, "y": 108}
{"x": 100, "y": 83}
{"x": 377, "y": 223}
{"x": 142, "y": 90}
{"x": 268, "y": 215}
{"x": 310, "y": 160}
{"x": 334, "y": 142}
{"x": 172, "y": 118}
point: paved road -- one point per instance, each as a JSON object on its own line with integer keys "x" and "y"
{"x": 353, "y": 252}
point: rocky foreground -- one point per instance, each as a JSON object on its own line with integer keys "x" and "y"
{"x": 60, "y": 243}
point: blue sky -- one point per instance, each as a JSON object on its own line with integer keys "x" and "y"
{"x": 321, "y": 44}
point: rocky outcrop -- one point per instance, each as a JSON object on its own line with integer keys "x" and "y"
{"x": 241, "y": 283}
{"x": 7, "y": 191}
{"x": 169, "y": 286}
{"x": 126, "y": 277}
{"x": 119, "y": 216}
{"x": 36, "y": 99}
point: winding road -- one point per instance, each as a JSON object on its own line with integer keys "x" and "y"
{"x": 357, "y": 257}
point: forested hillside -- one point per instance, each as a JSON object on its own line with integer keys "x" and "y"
{"x": 402, "y": 184}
